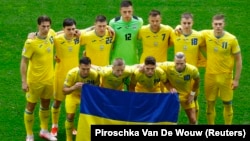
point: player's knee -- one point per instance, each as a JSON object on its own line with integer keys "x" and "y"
{"x": 192, "y": 120}
{"x": 56, "y": 104}
{"x": 70, "y": 117}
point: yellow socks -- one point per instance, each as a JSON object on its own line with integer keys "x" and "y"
{"x": 29, "y": 122}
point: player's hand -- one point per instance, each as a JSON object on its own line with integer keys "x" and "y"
{"x": 235, "y": 84}
{"x": 57, "y": 59}
{"x": 32, "y": 35}
{"x": 190, "y": 99}
{"x": 77, "y": 33}
{"x": 140, "y": 67}
{"x": 111, "y": 31}
{"x": 78, "y": 85}
{"x": 173, "y": 90}
{"x": 178, "y": 30}
{"x": 25, "y": 87}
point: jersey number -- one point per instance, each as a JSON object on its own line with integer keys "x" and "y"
{"x": 108, "y": 40}
{"x": 128, "y": 36}
{"x": 194, "y": 41}
{"x": 163, "y": 36}
{"x": 224, "y": 45}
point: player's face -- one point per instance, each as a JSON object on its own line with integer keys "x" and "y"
{"x": 155, "y": 22}
{"x": 44, "y": 28}
{"x": 126, "y": 13}
{"x": 218, "y": 25}
{"x": 84, "y": 70}
{"x": 118, "y": 70}
{"x": 100, "y": 28}
{"x": 149, "y": 70}
{"x": 180, "y": 64}
{"x": 186, "y": 24}
{"x": 69, "y": 31}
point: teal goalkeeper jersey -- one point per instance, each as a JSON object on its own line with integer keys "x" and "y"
{"x": 125, "y": 44}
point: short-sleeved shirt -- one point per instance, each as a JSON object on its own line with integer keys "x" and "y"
{"x": 189, "y": 45}
{"x": 220, "y": 52}
{"x": 125, "y": 44}
{"x": 73, "y": 76}
{"x": 148, "y": 84}
{"x": 155, "y": 44}
{"x": 68, "y": 53}
{"x": 97, "y": 48}
{"x": 109, "y": 80}
{"x": 181, "y": 81}
{"x": 40, "y": 54}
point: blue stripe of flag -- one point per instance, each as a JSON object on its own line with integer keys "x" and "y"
{"x": 129, "y": 106}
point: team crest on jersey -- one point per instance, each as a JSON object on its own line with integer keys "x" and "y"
{"x": 101, "y": 47}
{"x": 48, "y": 49}
{"x": 70, "y": 48}
{"x": 186, "y": 77}
{"x": 185, "y": 48}
{"x": 155, "y": 44}
{"x": 215, "y": 49}
{"x": 134, "y": 26}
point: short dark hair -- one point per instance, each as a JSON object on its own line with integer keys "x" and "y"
{"x": 69, "y": 22}
{"x": 126, "y": 3}
{"x": 154, "y": 13}
{"x": 150, "y": 60}
{"x": 43, "y": 18}
{"x": 100, "y": 18}
{"x": 85, "y": 60}
{"x": 187, "y": 15}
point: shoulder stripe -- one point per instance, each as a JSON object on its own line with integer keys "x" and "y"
{"x": 117, "y": 19}
{"x": 135, "y": 17}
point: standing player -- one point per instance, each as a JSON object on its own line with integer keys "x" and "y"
{"x": 155, "y": 38}
{"x": 149, "y": 78}
{"x": 67, "y": 48}
{"x": 75, "y": 78}
{"x": 126, "y": 28}
{"x": 190, "y": 42}
{"x": 98, "y": 42}
{"x": 223, "y": 51}
{"x": 37, "y": 77}
{"x": 179, "y": 77}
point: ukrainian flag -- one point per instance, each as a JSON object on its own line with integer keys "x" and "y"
{"x": 111, "y": 107}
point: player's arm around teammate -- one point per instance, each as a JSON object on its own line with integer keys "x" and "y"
{"x": 37, "y": 77}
